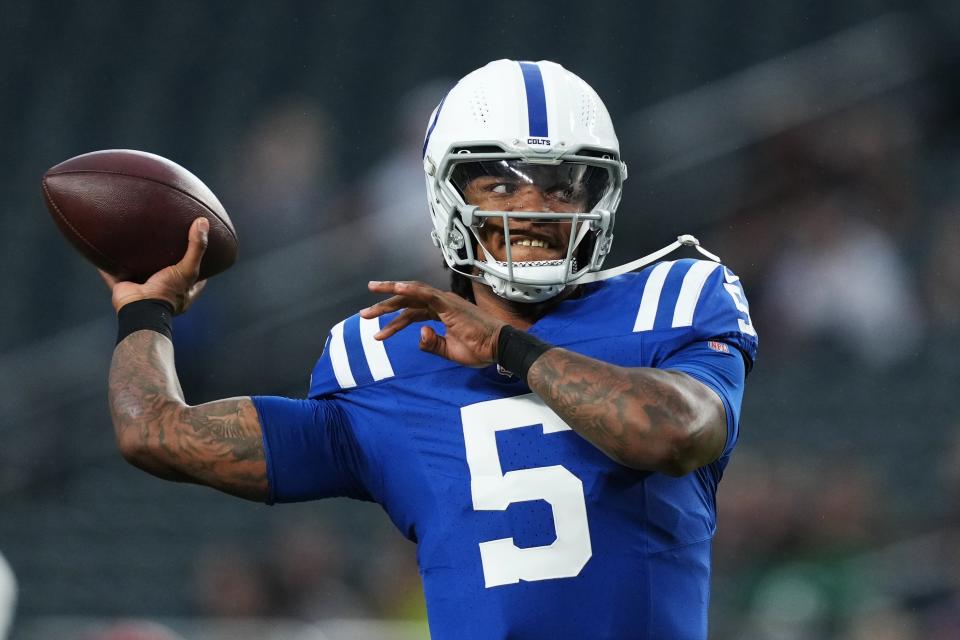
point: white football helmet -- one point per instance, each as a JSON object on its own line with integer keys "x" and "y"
{"x": 532, "y": 122}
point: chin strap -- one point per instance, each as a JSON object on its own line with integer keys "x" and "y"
{"x": 685, "y": 240}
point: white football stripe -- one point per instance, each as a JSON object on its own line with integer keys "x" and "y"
{"x": 374, "y": 350}
{"x": 651, "y": 297}
{"x": 338, "y": 357}
{"x": 690, "y": 290}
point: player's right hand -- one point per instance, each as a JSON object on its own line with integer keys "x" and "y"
{"x": 471, "y": 336}
{"x": 176, "y": 284}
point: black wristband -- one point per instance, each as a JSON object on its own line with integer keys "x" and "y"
{"x": 518, "y": 350}
{"x": 154, "y": 315}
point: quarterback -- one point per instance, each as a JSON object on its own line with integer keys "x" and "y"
{"x": 551, "y": 435}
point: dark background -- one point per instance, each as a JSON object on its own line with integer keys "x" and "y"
{"x": 813, "y": 145}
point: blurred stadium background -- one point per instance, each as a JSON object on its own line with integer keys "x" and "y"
{"x": 814, "y": 145}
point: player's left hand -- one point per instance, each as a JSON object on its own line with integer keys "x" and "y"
{"x": 471, "y": 337}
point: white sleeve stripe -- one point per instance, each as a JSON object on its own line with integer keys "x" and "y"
{"x": 338, "y": 357}
{"x": 690, "y": 291}
{"x": 374, "y": 350}
{"x": 651, "y": 297}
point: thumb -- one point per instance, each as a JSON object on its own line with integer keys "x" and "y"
{"x": 196, "y": 246}
{"x": 431, "y": 342}
{"x": 108, "y": 279}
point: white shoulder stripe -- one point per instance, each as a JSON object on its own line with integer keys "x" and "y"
{"x": 690, "y": 291}
{"x": 338, "y": 357}
{"x": 651, "y": 297}
{"x": 374, "y": 350}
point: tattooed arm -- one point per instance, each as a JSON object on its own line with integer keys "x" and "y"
{"x": 217, "y": 444}
{"x": 642, "y": 418}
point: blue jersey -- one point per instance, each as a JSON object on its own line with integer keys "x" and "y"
{"x": 525, "y": 529}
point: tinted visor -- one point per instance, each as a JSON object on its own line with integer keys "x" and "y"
{"x": 517, "y": 185}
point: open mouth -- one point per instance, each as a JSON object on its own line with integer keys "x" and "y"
{"x": 534, "y": 243}
{"x": 526, "y": 246}
{"x": 528, "y": 242}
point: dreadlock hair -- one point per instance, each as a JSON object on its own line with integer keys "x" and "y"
{"x": 461, "y": 285}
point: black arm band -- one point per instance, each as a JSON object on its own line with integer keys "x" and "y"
{"x": 518, "y": 350}
{"x": 154, "y": 315}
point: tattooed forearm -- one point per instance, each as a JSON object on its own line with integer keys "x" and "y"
{"x": 217, "y": 444}
{"x": 642, "y": 418}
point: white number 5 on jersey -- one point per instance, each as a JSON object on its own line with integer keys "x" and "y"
{"x": 503, "y": 561}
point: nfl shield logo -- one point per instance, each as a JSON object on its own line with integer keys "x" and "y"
{"x": 718, "y": 346}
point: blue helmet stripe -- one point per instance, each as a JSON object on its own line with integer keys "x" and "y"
{"x": 436, "y": 116}
{"x": 536, "y": 99}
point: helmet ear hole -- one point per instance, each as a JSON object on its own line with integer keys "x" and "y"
{"x": 587, "y": 250}
{"x": 459, "y": 240}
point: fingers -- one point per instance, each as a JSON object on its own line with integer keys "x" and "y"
{"x": 189, "y": 266}
{"x": 419, "y": 301}
{"x": 385, "y": 306}
{"x": 432, "y": 342}
{"x": 405, "y": 319}
{"x": 409, "y": 295}
{"x": 414, "y": 290}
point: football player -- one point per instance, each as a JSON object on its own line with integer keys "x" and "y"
{"x": 551, "y": 435}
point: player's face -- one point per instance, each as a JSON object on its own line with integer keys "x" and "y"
{"x": 530, "y": 240}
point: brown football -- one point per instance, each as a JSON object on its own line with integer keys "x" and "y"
{"x": 129, "y": 212}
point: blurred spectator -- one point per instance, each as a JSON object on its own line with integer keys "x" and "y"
{"x": 230, "y": 583}
{"x": 885, "y": 624}
{"x": 134, "y": 630}
{"x": 758, "y": 503}
{"x": 942, "y": 617}
{"x": 281, "y": 176}
{"x": 841, "y": 278}
{"x": 948, "y": 473}
{"x": 8, "y": 597}
{"x": 843, "y": 513}
{"x": 823, "y": 225}
{"x": 309, "y": 571}
{"x": 871, "y": 148}
{"x": 942, "y": 277}
{"x": 392, "y": 580}
{"x": 943, "y": 622}
{"x": 397, "y": 213}
{"x": 278, "y": 191}
{"x": 789, "y": 543}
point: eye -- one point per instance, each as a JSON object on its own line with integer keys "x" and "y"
{"x": 502, "y": 188}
